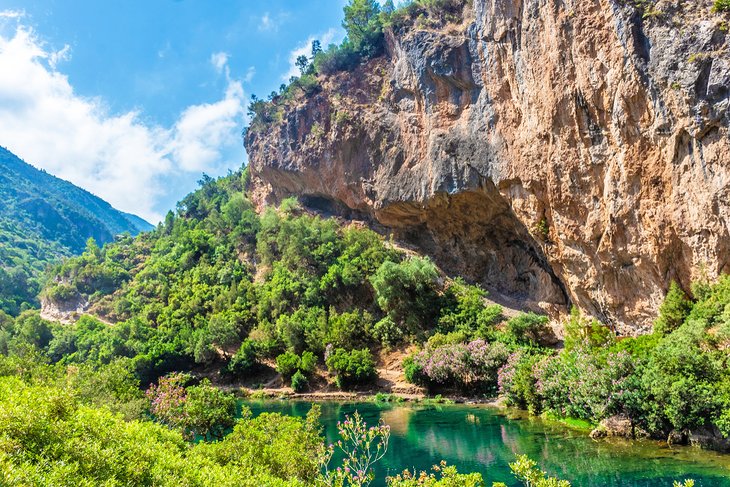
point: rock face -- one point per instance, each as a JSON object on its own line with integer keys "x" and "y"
{"x": 559, "y": 152}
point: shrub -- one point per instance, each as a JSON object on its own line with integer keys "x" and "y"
{"x": 209, "y": 411}
{"x": 299, "y": 381}
{"x": 387, "y": 332}
{"x": 473, "y": 365}
{"x": 245, "y": 360}
{"x": 517, "y": 381}
{"x": 442, "y": 476}
{"x": 413, "y": 371}
{"x": 308, "y": 363}
{"x": 468, "y": 314}
{"x": 581, "y": 331}
{"x": 352, "y": 368}
{"x": 407, "y": 292}
{"x": 526, "y": 328}
{"x": 673, "y": 310}
{"x": 336, "y": 58}
{"x": 721, "y": 6}
{"x": 287, "y": 364}
{"x": 349, "y": 329}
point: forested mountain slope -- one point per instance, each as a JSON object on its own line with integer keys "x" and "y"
{"x": 43, "y": 218}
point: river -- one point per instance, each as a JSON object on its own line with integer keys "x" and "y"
{"x": 485, "y": 439}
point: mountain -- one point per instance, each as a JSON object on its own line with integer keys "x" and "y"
{"x": 557, "y": 154}
{"x": 42, "y": 219}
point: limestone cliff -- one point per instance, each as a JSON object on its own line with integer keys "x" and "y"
{"x": 558, "y": 151}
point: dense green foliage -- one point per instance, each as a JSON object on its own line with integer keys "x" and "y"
{"x": 43, "y": 219}
{"x": 721, "y": 6}
{"x": 673, "y": 381}
{"x": 219, "y": 285}
{"x": 48, "y": 436}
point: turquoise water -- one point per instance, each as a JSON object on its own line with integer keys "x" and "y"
{"x": 484, "y": 439}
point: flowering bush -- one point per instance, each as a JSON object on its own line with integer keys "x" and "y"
{"x": 197, "y": 411}
{"x": 472, "y": 365}
{"x": 167, "y": 399}
{"x": 361, "y": 448}
{"x": 443, "y": 476}
{"x": 517, "y": 382}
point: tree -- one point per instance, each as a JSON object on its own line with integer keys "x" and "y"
{"x": 673, "y": 310}
{"x": 388, "y": 7}
{"x": 364, "y": 26}
{"x": 209, "y": 411}
{"x": 407, "y": 291}
{"x": 302, "y": 63}
{"x": 316, "y": 48}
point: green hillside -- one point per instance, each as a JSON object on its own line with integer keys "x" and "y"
{"x": 43, "y": 218}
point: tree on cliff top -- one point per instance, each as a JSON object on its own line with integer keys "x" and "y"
{"x": 364, "y": 27}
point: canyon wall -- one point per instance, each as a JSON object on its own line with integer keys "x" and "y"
{"x": 558, "y": 152}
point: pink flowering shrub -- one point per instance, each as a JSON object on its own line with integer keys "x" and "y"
{"x": 468, "y": 365}
{"x": 167, "y": 400}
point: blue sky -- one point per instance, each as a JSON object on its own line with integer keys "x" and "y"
{"x": 134, "y": 100}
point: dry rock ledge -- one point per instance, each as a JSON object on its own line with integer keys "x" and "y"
{"x": 558, "y": 152}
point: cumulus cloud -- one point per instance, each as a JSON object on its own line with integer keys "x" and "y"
{"x": 119, "y": 157}
{"x": 305, "y": 49}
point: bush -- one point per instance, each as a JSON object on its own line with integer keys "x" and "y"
{"x": 581, "y": 331}
{"x": 349, "y": 329}
{"x": 471, "y": 366}
{"x": 387, "y": 332}
{"x": 287, "y": 364}
{"x": 308, "y": 363}
{"x": 721, "y": 6}
{"x": 526, "y": 328}
{"x": 336, "y": 58}
{"x": 673, "y": 310}
{"x": 413, "y": 371}
{"x": 517, "y": 382}
{"x": 299, "y": 382}
{"x": 443, "y": 476}
{"x": 407, "y": 292}
{"x": 245, "y": 360}
{"x": 468, "y": 314}
{"x": 352, "y": 368}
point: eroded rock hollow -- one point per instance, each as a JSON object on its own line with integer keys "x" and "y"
{"x": 559, "y": 152}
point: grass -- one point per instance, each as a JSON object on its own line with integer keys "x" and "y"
{"x": 385, "y": 397}
{"x": 573, "y": 423}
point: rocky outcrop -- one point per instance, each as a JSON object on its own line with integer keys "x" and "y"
{"x": 65, "y": 312}
{"x": 559, "y": 152}
{"x": 618, "y": 426}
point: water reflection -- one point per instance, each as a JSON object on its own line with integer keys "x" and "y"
{"x": 486, "y": 440}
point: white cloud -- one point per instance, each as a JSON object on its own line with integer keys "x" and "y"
{"x": 266, "y": 23}
{"x": 119, "y": 157}
{"x": 11, "y": 14}
{"x": 250, "y": 73}
{"x": 202, "y": 129}
{"x": 219, "y": 60}
{"x": 305, "y": 49}
{"x": 61, "y": 55}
